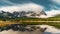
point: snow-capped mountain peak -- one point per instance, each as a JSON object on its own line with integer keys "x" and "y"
{"x": 15, "y": 14}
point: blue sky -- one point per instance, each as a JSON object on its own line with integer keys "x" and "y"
{"x": 48, "y": 4}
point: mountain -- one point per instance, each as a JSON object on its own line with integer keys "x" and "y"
{"x": 36, "y": 14}
{"x": 16, "y": 14}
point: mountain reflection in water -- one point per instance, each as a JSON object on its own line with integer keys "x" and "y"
{"x": 49, "y": 30}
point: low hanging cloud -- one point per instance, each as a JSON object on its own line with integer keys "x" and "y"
{"x": 23, "y": 7}
{"x": 51, "y": 13}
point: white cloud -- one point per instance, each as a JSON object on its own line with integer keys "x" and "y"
{"x": 56, "y": 1}
{"x": 51, "y": 13}
{"x": 23, "y": 7}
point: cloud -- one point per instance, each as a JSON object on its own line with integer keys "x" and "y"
{"x": 54, "y": 7}
{"x": 23, "y": 7}
{"x": 7, "y": 1}
{"x": 56, "y": 1}
{"x": 11, "y": 3}
{"x": 31, "y": 7}
{"x": 50, "y": 13}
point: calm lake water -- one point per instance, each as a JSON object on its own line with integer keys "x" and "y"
{"x": 50, "y": 30}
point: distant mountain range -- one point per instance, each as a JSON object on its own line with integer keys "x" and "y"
{"x": 16, "y": 14}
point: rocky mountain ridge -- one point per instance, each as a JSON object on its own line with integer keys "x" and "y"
{"x": 17, "y": 14}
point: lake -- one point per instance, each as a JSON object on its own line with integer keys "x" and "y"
{"x": 49, "y": 30}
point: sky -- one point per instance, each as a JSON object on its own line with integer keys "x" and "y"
{"x": 48, "y": 4}
{"x": 51, "y": 7}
